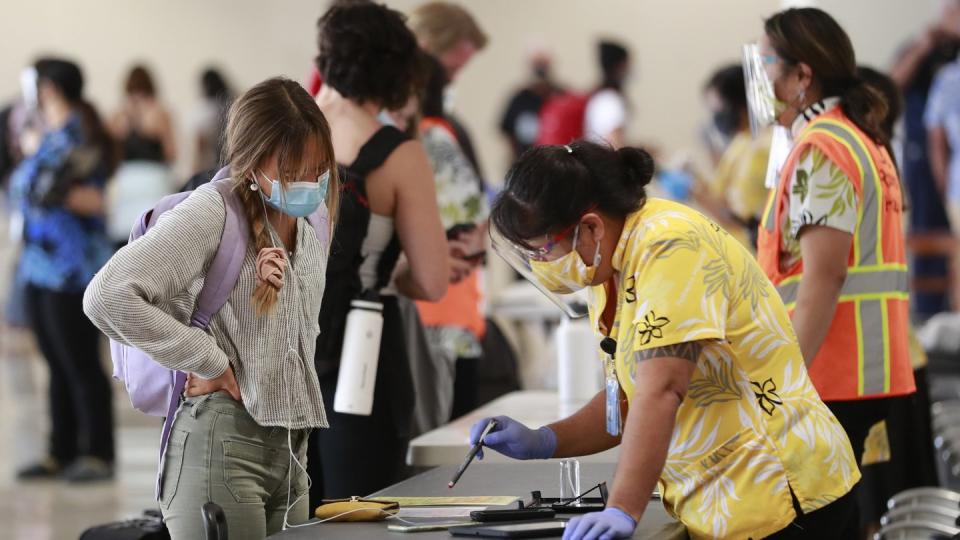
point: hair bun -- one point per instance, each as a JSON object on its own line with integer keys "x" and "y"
{"x": 637, "y": 166}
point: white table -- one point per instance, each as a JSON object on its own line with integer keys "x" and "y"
{"x": 447, "y": 445}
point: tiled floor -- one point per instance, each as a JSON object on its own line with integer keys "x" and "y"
{"x": 56, "y": 510}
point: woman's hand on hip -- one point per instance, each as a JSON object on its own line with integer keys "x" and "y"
{"x": 198, "y": 386}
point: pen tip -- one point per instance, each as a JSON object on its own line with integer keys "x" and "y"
{"x": 450, "y": 485}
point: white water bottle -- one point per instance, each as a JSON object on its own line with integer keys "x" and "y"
{"x": 359, "y": 358}
{"x": 579, "y": 373}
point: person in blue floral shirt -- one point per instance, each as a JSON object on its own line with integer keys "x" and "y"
{"x": 59, "y": 189}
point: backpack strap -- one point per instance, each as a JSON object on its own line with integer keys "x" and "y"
{"x": 225, "y": 269}
{"x": 320, "y": 220}
{"x": 221, "y": 278}
{"x": 222, "y": 174}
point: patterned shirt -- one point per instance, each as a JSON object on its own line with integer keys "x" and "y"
{"x": 62, "y": 250}
{"x": 820, "y": 194}
{"x": 461, "y": 201}
{"x": 751, "y": 427}
{"x": 458, "y": 188}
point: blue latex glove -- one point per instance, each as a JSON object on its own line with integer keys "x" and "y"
{"x": 515, "y": 440}
{"x": 610, "y": 524}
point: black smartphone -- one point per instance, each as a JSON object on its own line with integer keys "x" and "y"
{"x": 458, "y": 229}
{"x": 512, "y": 514}
{"x": 531, "y": 529}
{"x": 475, "y": 257}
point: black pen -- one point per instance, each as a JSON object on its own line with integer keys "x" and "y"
{"x": 472, "y": 453}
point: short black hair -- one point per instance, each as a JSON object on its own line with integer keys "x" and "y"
{"x": 729, "y": 84}
{"x": 367, "y": 53}
{"x": 214, "y": 84}
{"x": 611, "y": 55}
{"x": 64, "y": 75}
{"x": 551, "y": 187}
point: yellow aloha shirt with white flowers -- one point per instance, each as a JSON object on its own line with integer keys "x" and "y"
{"x": 751, "y": 427}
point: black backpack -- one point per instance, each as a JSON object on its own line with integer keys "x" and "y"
{"x": 148, "y": 527}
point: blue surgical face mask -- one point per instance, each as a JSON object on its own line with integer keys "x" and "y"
{"x": 298, "y": 199}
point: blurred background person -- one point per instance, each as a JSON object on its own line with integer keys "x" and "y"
{"x": 736, "y": 194}
{"x": 942, "y": 119}
{"x": 449, "y": 33}
{"x": 370, "y": 62}
{"x": 455, "y": 325}
{"x": 59, "y": 189}
{"x": 209, "y": 120}
{"x": 607, "y": 112}
{"x": 520, "y": 123}
{"x": 914, "y": 70}
{"x": 600, "y": 114}
{"x": 21, "y": 127}
{"x": 143, "y": 129}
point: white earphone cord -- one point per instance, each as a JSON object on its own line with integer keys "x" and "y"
{"x": 290, "y": 349}
{"x": 293, "y": 458}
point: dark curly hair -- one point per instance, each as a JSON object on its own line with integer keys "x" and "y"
{"x": 368, "y": 54}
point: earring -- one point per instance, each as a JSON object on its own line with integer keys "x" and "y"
{"x": 254, "y": 186}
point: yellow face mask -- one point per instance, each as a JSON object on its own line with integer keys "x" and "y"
{"x": 567, "y": 274}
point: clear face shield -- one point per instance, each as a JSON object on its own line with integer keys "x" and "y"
{"x": 534, "y": 265}
{"x": 761, "y": 99}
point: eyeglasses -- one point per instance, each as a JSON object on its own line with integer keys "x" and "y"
{"x": 541, "y": 253}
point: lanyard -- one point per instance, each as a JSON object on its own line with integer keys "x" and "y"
{"x": 614, "y": 420}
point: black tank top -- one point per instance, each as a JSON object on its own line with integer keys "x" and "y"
{"x": 140, "y": 147}
{"x": 348, "y": 253}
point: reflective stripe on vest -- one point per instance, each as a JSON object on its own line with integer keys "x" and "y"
{"x": 873, "y": 354}
{"x": 879, "y": 282}
{"x": 867, "y": 243}
{"x": 868, "y": 288}
{"x": 771, "y": 210}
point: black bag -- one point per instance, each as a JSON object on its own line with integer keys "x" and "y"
{"x": 148, "y": 527}
{"x": 500, "y": 374}
{"x": 52, "y": 184}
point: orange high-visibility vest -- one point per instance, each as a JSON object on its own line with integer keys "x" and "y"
{"x": 866, "y": 353}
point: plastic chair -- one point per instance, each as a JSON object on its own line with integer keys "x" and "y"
{"x": 925, "y": 496}
{"x": 214, "y": 521}
{"x": 945, "y": 406}
{"x": 946, "y": 419}
{"x": 916, "y": 530}
{"x": 923, "y": 513}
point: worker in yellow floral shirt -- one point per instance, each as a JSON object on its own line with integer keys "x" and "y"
{"x": 719, "y": 409}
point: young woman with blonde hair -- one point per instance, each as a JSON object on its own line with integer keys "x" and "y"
{"x": 252, "y": 395}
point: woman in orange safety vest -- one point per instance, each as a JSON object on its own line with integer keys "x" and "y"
{"x": 831, "y": 236}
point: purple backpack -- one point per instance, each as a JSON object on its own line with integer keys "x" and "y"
{"x": 152, "y": 388}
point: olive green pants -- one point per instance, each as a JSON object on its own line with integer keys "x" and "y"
{"x": 218, "y": 453}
